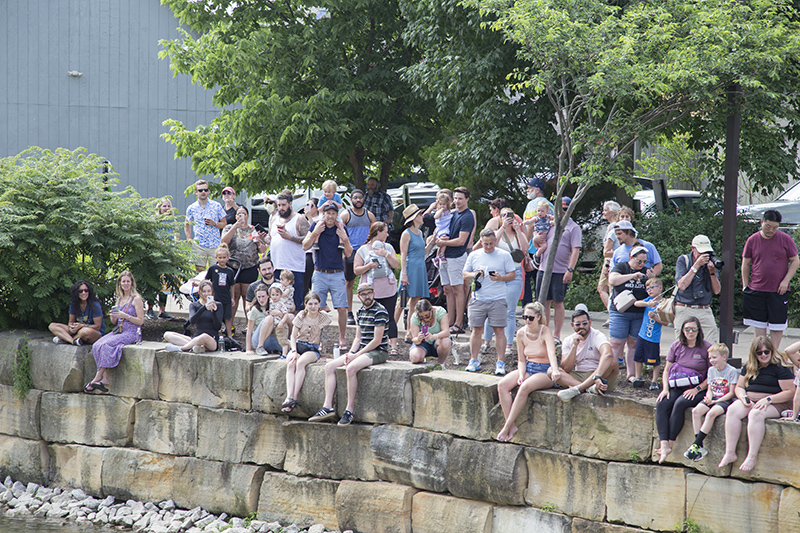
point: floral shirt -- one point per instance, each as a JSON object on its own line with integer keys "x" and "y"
{"x": 205, "y": 235}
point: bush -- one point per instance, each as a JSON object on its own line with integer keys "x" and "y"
{"x": 61, "y": 222}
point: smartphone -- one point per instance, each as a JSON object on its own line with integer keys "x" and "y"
{"x": 492, "y": 272}
{"x": 259, "y": 228}
{"x": 509, "y": 215}
{"x": 114, "y": 308}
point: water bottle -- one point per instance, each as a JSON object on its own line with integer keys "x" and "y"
{"x": 336, "y": 351}
{"x": 139, "y": 335}
{"x": 403, "y": 295}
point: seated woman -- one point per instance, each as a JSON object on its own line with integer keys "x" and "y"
{"x": 206, "y": 315}
{"x": 272, "y": 334}
{"x": 86, "y": 323}
{"x": 430, "y": 333}
{"x": 128, "y": 316}
{"x": 765, "y": 388}
{"x": 536, "y": 353}
{"x": 304, "y": 347}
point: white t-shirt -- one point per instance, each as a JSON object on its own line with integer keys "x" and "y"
{"x": 500, "y": 261}
{"x": 588, "y": 354}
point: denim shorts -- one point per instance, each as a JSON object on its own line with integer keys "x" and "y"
{"x": 322, "y": 283}
{"x": 536, "y": 368}
{"x": 624, "y": 325}
{"x": 303, "y": 347}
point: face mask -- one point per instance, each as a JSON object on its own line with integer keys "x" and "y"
{"x": 270, "y": 208}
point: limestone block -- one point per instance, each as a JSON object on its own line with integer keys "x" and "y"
{"x": 136, "y": 375}
{"x": 329, "y": 451}
{"x": 220, "y": 380}
{"x": 9, "y": 340}
{"x": 87, "y": 419}
{"x": 239, "y": 437}
{"x": 789, "y": 510}
{"x": 545, "y": 422}
{"x": 411, "y": 456}
{"x": 304, "y": 501}
{"x": 165, "y": 427}
{"x": 375, "y": 506}
{"x": 57, "y": 368}
{"x": 436, "y": 513}
{"x": 269, "y": 388}
{"x": 455, "y": 402}
{"x": 626, "y": 483}
{"x": 714, "y": 444}
{"x": 746, "y": 507}
{"x": 19, "y": 418}
{"x": 487, "y": 471}
{"x": 133, "y": 474}
{"x": 24, "y": 459}
{"x": 215, "y": 486}
{"x": 781, "y": 441}
{"x": 611, "y": 427}
{"x": 567, "y": 482}
{"x": 77, "y": 466}
{"x": 528, "y": 520}
{"x": 384, "y": 394}
{"x": 579, "y": 525}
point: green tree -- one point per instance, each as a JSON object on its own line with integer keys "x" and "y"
{"x": 61, "y": 222}
{"x": 307, "y": 91}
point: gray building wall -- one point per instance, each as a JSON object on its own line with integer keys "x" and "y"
{"x": 117, "y": 106}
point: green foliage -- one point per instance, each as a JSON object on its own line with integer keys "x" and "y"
{"x": 583, "y": 289}
{"x": 249, "y": 518}
{"x": 635, "y": 457}
{"x": 690, "y": 526}
{"x": 676, "y": 160}
{"x": 549, "y": 507}
{"x": 23, "y": 382}
{"x": 60, "y": 222}
{"x": 305, "y": 93}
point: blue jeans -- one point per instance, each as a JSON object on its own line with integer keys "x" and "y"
{"x": 271, "y": 343}
{"x": 513, "y": 289}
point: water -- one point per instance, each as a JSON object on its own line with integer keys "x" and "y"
{"x": 43, "y": 525}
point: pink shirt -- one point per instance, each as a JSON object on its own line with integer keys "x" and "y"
{"x": 770, "y": 260}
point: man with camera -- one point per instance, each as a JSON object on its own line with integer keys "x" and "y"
{"x": 697, "y": 280}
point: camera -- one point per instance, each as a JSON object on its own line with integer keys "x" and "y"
{"x": 714, "y": 260}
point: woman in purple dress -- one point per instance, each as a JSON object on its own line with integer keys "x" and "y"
{"x": 128, "y": 315}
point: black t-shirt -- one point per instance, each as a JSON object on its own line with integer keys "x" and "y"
{"x": 636, "y": 286}
{"x": 230, "y": 214}
{"x": 767, "y": 378}
{"x": 251, "y": 290}
{"x": 221, "y": 279}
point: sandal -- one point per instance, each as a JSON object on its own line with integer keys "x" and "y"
{"x": 289, "y": 405}
{"x": 456, "y": 330}
{"x": 100, "y": 386}
{"x": 89, "y": 387}
{"x": 393, "y": 352}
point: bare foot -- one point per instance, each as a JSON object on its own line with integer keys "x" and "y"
{"x": 748, "y": 464}
{"x": 727, "y": 459}
{"x": 664, "y": 452}
{"x": 507, "y": 435}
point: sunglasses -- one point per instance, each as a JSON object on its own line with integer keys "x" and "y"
{"x": 640, "y": 261}
{"x": 763, "y": 352}
{"x": 690, "y": 330}
{"x": 226, "y": 193}
{"x": 581, "y": 324}
{"x": 529, "y": 317}
{"x": 202, "y": 190}
{"x": 83, "y": 290}
{"x": 425, "y": 317}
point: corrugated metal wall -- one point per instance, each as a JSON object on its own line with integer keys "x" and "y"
{"x": 116, "y": 107}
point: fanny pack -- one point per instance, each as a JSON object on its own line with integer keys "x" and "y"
{"x": 681, "y": 376}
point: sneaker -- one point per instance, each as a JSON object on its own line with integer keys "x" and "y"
{"x": 172, "y": 348}
{"x": 199, "y": 349}
{"x": 638, "y": 383}
{"x": 568, "y": 394}
{"x": 323, "y": 414}
{"x": 509, "y": 352}
{"x": 351, "y": 320}
{"x": 474, "y": 365}
{"x": 484, "y": 349}
{"x": 592, "y": 390}
{"x": 150, "y": 314}
{"x": 654, "y": 385}
{"x": 77, "y": 342}
{"x": 166, "y": 316}
{"x": 347, "y": 417}
{"x": 233, "y": 330}
{"x": 500, "y": 368}
{"x": 261, "y": 351}
{"x": 537, "y": 261}
{"x": 56, "y": 340}
{"x": 695, "y": 452}
{"x": 621, "y": 362}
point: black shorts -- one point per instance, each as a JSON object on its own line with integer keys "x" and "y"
{"x": 430, "y": 349}
{"x": 558, "y": 289}
{"x": 648, "y": 353}
{"x": 349, "y": 275}
{"x": 247, "y": 275}
{"x": 767, "y": 310}
{"x": 226, "y": 310}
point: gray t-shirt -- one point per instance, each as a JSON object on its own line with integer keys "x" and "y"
{"x": 699, "y": 290}
{"x": 500, "y": 261}
{"x": 722, "y": 381}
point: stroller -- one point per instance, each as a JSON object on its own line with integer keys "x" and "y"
{"x": 189, "y": 290}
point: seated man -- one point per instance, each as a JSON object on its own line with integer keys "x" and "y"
{"x": 370, "y": 347}
{"x": 587, "y": 363}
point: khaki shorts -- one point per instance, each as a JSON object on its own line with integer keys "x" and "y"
{"x": 377, "y": 356}
{"x": 603, "y": 283}
{"x": 203, "y": 257}
{"x": 453, "y": 274}
{"x": 583, "y": 376}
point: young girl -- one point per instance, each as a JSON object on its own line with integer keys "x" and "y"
{"x": 221, "y": 276}
{"x": 304, "y": 343}
{"x": 287, "y": 287}
{"x": 442, "y": 214}
{"x": 256, "y": 315}
{"x": 278, "y": 320}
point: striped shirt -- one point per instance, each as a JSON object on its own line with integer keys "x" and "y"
{"x": 368, "y": 319}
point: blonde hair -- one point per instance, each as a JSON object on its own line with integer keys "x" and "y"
{"x": 543, "y": 203}
{"x": 329, "y": 186}
{"x": 222, "y": 248}
{"x": 444, "y": 194}
{"x": 119, "y": 291}
{"x": 537, "y": 308}
{"x": 720, "y": 349}
{"x": 654, "y": 281}
{"x": 752, "y": 366}
{"x": 287, "y": 275}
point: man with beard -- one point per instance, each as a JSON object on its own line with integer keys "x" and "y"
{"x": 587, "y": 362}
{"x": 357, "y": 220}
{"x": 287, "y": 231}
{"x": 379, "y": 203}
{"x": 267, "y": 272}
{"x": 370, "y": 347}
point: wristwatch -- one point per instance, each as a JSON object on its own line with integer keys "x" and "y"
{"x": 571, "y": 269}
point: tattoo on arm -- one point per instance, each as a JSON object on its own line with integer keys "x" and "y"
{"x": 302, "y": 227}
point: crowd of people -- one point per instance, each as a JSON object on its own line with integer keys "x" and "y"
{"x": 284, "y": 275}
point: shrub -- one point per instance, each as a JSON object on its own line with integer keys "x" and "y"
{"x": 60, "y": 222}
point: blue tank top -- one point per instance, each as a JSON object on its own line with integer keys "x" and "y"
{"x": 358, "y": 228}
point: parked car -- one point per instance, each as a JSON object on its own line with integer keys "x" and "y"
{"x": 787, "y": 203}
{"x": 421, "y": 194}
{"x": 257, "y": 204}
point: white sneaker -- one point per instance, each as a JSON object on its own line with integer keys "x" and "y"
{"x": 261, "y": 351}
{"x": 56, "y": 340}
{"x": 568, "y": 394}
{"x": 500, "y": 368}
{"x": 484, "y": 349}
{"x": 172, "y": 348}
{"x": 592, "y": 390}
{"x": 474, "y": 365}
{"x": 199, "y": 349}
{"x": 509, "y": 352}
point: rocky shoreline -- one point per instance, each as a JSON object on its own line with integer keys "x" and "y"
{"x": 33, "y": 500}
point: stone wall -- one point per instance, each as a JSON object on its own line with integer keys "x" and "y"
{"x": 206, "y": 430}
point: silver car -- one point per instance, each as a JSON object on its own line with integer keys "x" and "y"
{"x": 788, "y": 204}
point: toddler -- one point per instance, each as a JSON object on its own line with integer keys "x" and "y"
{"x": 442, "y": 210}
{"x": 221, "y": 276}
{"x": 541, "y": 226}
{"x": 330, "y": 196}
{"x": 722, "y": 379}
{"x": 281, "y": 318}
{"x": 648, "y": 343}
{"x": 287, "y": 288}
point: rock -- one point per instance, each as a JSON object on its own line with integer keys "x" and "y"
{"x": 108, "y": 501}
{"x": 216, "y": 486}
{"x": 436, "y": 513}
{"x": 167, "y": 505}
{"x": 455, "y": 402}
{"x": 788, "y": 511}
{"x": 748, "y": 506}
{"x": 269, "y": 388}
{"x": 317, "y": 450}
{"x": 136, "y": 376}
{"x": 203, "y": 522}
{"x": 57, "y": 368}
{"x": 236, "y": 437}
{"x": 626, "y": 483}
{"x": 780, "y": 438}
{"x": 545, "y": 422}
{"x": 610, "y": 427}
{"x": 78, "y": 494}
{"x": 487, "y": 471}
{"x": 7, "y": 496}
{"x": 130, "y": 473}
{"x": 87, "y": 419}
{"x": 302, "y": 500}
{"x": 410, "y": 456}
{"x": 32, "y": 488}
{"x": 529, "y": 519}
{"x": 165, "y": 427}
{"x": 57, "y": 513}
{"x": 237, "y": 522}
{"x": 317, "y": 528}
{"x": 375, "y": 506}
{"x": 18, "y": 489}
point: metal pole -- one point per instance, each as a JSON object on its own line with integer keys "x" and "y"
{"x": 734, "y": 126}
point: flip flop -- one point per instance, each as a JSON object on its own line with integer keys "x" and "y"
{"x": 456, "y": 330}
{"x": 89, "y": 387}
{"x": 99, "y": 386}
{"x": 289, "y": 405}
{"x": 393, "y": 352}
